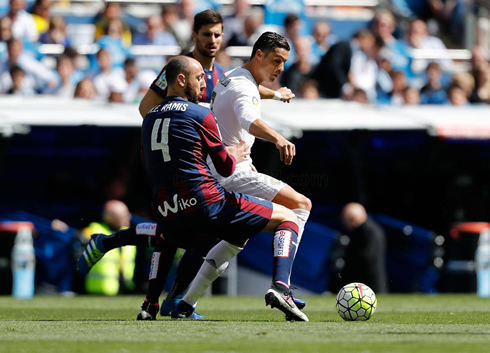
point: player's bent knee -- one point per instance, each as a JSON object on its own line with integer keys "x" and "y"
{"x": 304, "y": 203}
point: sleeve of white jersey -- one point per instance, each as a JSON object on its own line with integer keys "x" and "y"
{"x": 247, "y": 104}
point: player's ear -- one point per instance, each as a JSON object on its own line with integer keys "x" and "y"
{"x": 181, "y": 80}
{"x": 259, "y": 54}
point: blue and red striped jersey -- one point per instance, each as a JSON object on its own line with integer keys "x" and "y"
{"x": 159, "y": 86}
{"x": 177, "y": 137}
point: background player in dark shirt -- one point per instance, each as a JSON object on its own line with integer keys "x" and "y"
{"x": 207, "y": 34}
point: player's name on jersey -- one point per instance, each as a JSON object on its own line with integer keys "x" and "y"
{"x": 178, "y": 106}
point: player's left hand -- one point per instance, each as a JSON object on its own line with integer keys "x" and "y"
{"x": 286, "y": 94}
{"x": 286, "y": 149}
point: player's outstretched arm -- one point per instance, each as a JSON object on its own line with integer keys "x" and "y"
{"x": 149, "y": 101}
{"x": 283, "y": 94}
{"x": 287, "y": 150}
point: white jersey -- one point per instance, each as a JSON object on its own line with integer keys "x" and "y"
{"x": 236, "y": 103}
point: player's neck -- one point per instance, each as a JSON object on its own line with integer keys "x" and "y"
{"x": 254, "y": 71}
{"x": 207, "y": 63}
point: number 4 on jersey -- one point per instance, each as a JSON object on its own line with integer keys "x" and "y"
{"x": 163, "y": 144}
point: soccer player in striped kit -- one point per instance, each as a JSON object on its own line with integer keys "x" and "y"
{"x": 177, "y": 138}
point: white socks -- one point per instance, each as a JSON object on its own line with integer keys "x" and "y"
{"x": 302, "y": 215}
{"x": 214, "y": 265}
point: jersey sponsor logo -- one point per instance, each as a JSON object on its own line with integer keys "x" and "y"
{"x": 255, "y": 101}
{"x": 146, "y": 229}
{"x": 178, "y": 204}
{"x": 155, "y": 259}
{"x": 282, "y": 243}
{"x": 162, "y": 81}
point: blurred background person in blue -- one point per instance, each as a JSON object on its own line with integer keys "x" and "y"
{"x": 433, "y": 91}
{"x": 111, "y": 11}
{"x": 234, "y": 22}
{"x": 320, "y": 41}
{"x": 56, "y": 33}
{"x": 113, "y": 42}
{"x": 250, "y": 31}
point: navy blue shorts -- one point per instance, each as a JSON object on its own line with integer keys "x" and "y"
{"x": 235, "y": 219}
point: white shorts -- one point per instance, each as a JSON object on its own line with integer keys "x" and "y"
{"x": 253, "y": 183}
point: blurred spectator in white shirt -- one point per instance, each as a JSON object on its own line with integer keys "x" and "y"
{"x": 138, "y": 81}
{"x": 66, "y": 84}
{"x": 418, "y": 38}
{"x": 20, "y": 87}
{"x": 37, "y": 74}
{"x": 107, "y": 77}
{"x": 23, "y": 24}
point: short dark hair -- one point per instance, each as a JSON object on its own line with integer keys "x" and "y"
{"x": 16, "y": 69}
{"x": 268, "y": 42}
{"x": 206, "y": 17}
{"x": 363, "y": 33}
{"x": 290, "y": 19}
{"x": 179, "y": 64}
{"x": 129, "y": 62}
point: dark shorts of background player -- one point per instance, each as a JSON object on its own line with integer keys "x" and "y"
{"x": 235, "y": 219}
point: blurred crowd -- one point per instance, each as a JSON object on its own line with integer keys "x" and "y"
{"x": 379, "y": 64}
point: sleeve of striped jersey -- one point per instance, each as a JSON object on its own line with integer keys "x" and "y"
{"x": 223, "y": 162}
{"x": 246, "y": 106}
{"x": 159, "y": 85}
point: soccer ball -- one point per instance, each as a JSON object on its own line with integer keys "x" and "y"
{"x": 356, "y": 302}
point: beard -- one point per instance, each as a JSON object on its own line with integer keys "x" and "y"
{"x": 190, "y": 97}
{"x": 204, "y": 52}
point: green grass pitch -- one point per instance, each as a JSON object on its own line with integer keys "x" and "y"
{"x": 402, "y": 323}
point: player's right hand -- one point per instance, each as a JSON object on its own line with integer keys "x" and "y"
{"x": 240, "y": 151}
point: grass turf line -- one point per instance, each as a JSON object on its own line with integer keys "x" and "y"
{"x": 402, "y": 323}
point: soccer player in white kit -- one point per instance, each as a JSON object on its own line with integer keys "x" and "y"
{"x": 236, "y": 104}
